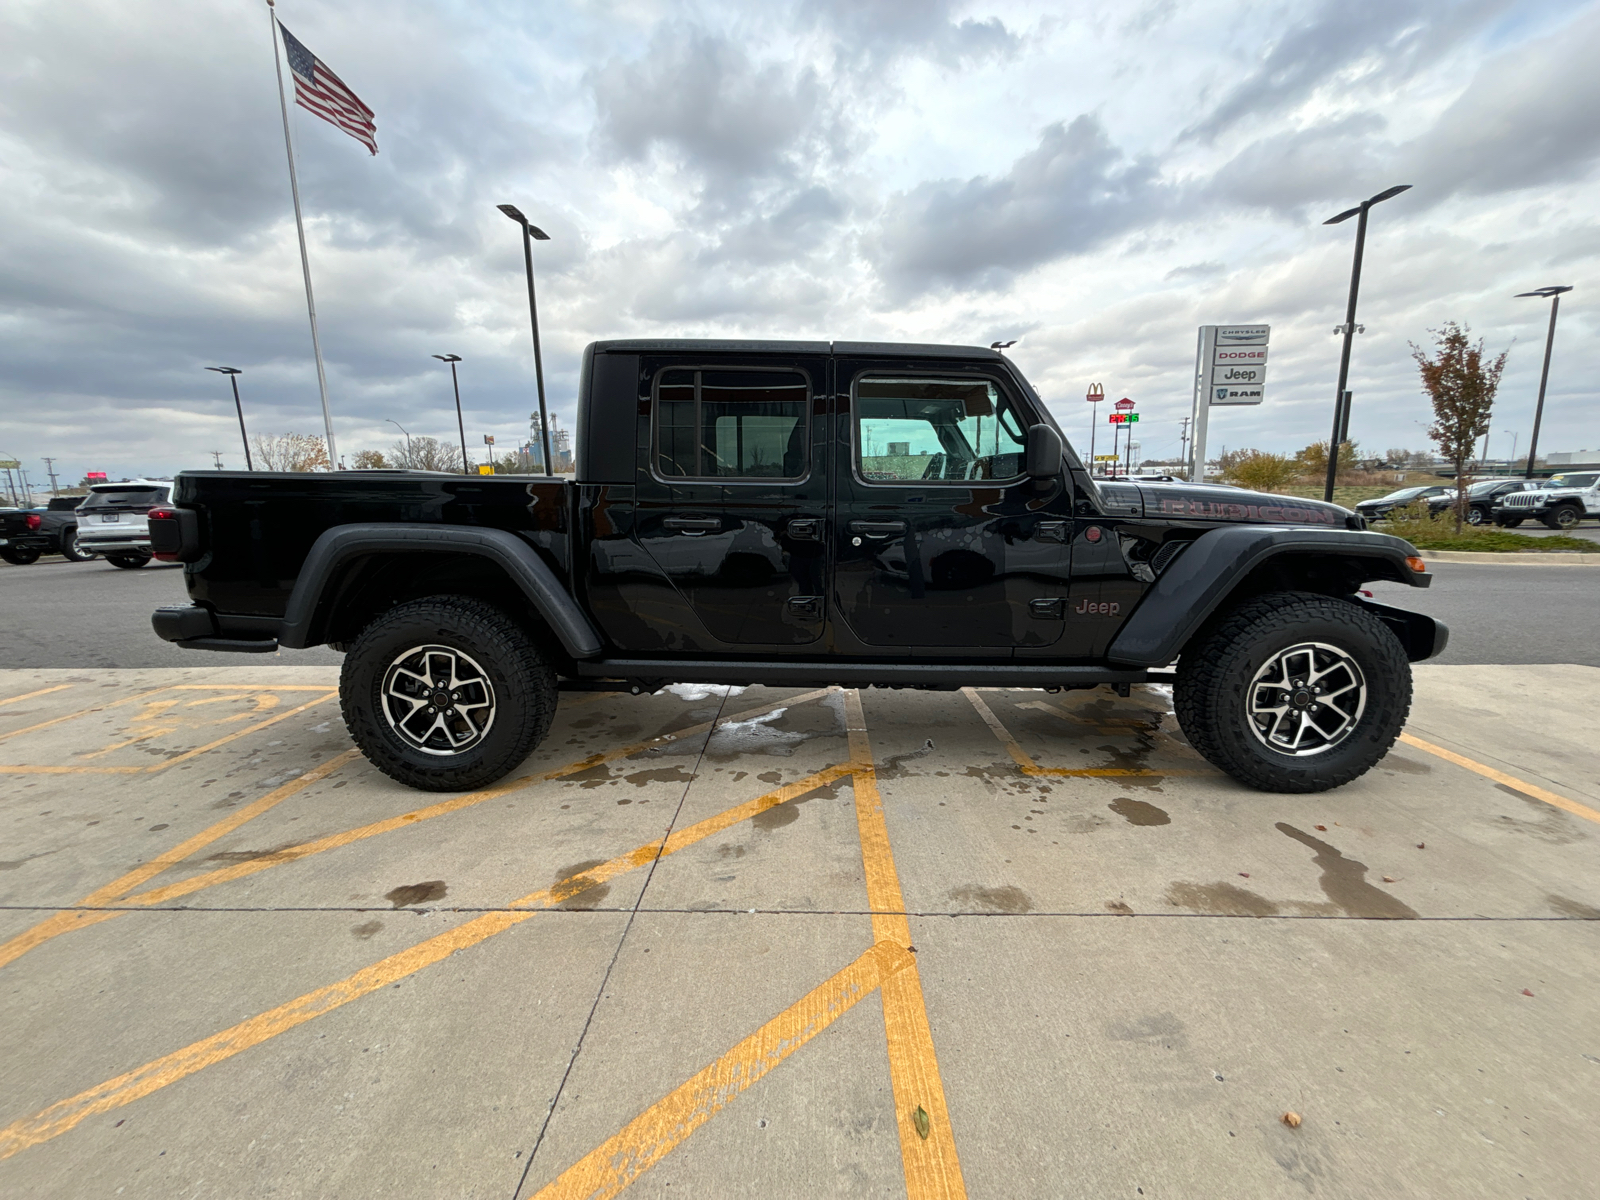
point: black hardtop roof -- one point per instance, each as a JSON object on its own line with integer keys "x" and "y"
{"x": 758, "y": 346}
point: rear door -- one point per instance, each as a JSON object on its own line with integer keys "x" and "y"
{"x": 732, "y": 506}
{"x": 941, "y": 541}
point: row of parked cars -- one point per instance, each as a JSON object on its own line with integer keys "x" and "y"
{"x": 1558, "y": 502}
{"x": 110, "y": 523}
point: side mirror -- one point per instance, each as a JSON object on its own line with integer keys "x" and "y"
{"x": 1044, "y": 452}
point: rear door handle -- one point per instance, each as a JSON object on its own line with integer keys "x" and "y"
{"x": 805, "y": 529}
{"x": 693, "y": 524}
{"x": 877, "y": 528}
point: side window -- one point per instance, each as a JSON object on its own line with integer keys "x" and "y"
{"x": 945, "y": 430}
{"x": 731, "y": 424}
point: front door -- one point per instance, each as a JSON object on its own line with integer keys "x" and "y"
{"x": 732, "y": 506}
{"x": 940, "y": 538}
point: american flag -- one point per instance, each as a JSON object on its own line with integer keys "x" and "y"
{"x": 321, "y": 91}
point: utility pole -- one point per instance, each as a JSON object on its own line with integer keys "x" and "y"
{"x": 1348, "y": 329}
{"x": 50, "y": 470}
{"x": 1183, "y": 439}
{"x": 216, "y": 459}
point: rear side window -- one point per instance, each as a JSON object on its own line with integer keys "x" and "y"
{"x": 140, "y": 498}
{"x": 936, "y": 430}
{"x": 731, "y": 424}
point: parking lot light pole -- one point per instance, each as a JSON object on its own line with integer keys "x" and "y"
{"x": 453, "y": 359}
{"x": 530, "y": 234}
{"x": 1512, "y": 460}
{"x": 1554, "y": 293}
{"x": 233, "y": 374}
{"x": 409, "y": 460}
{"x": 1349, "y": 326}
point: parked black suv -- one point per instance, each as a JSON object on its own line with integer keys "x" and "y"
{"x": 1482, "y": 497}
{"x": 803, "y": 513}
{"x": 1377, "y": 510}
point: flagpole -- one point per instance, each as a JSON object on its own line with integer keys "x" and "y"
{"x": 300, "y": 228}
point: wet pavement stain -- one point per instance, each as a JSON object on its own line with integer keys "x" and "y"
{"x": 1344, "y": 881}
{"x": 1569, "y": 907}
{"x": 577, "y": 892}
{"x": 1550, "y": 824}
{"x": 592, "y": 777}
{"x": 366, "y": 929}
{"x": 1006, "y": 898}
{"x": 243, "y": 856}
{"x": 1118, "y": 907}
{"x": 767, "y": 776}
{"x": 1220, "y": 899}
{"x": 1137, "y": 812}
{"x": 894, "y": 768}
{"x": 659, "y": 775}
{"x": 787, "y": 813}
{"x": 408, "y": 894}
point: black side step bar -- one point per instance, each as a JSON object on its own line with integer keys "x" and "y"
{"x": 862, "y": 674}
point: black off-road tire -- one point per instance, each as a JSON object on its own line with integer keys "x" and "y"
{"x": 523, "y": 687}
{"x": 1509, "y": 522}
{"x": 128, "y": 562}
{"x": 70, "y": 550}
{"x": 20, "y": 556}
{"x": 1215, "y": 673}
{"x": 1565, "y": 517}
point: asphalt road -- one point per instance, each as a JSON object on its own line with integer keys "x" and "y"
{"x": 60, "y": 614}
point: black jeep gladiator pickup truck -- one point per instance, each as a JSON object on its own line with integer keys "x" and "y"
{"x": 803, "y": 513}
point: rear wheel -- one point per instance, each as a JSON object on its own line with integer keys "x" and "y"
{"x": 19, "y": 556}
{"x": 128, "y": 562}
{"x": 446, "y": 693}
{"x": 1294, "y": 692}
{"x": 70, "y": 550}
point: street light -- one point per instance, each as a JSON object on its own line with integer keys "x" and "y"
{"x": 410, "y": 462}
{"x": 1349, "y": 326}
{"x": 530, "y": 233}
{"x": 1554, "y": 292}
{"x": 1000, "y": 347}
{"x": 233, "y": 374}
{"x": 1513, "y": 434}
{"x": 453, "y": 359}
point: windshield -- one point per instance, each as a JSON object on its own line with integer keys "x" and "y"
{"x": 126, "y": 497}
{"x": 1410, "y": 493}
{"x": 1573, "y": 481}
{"x": 1484, "y": 486}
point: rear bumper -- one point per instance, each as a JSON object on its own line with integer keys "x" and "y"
{"x": 138, "y": 543}
{"x": 196, "y": 628}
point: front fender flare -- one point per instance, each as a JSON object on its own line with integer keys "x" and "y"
{"x": 1203, "y": 576}
{"x": 305, "y": 618}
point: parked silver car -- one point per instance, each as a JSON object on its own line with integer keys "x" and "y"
{"x": 112, "y": 521}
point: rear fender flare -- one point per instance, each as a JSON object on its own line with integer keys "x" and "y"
{"x": 1202, "y": 578}
{"x": 306, "y": 619}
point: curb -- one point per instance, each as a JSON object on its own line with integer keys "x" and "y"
{"x": 1552, "y": 558}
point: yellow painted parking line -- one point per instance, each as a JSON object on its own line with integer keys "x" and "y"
{"x": 1029, "y": 767}
{"x": 65, "y": 1115}
{"x": 1510, "y": 781}
{"x": 60, "y": 687}
{"x": 654, "y": 1133}
{"x": 67, "y": 922}
{"x": 927, "y": 1142}
{"x": 82, "y": 712}
{"x": 239, "y": 733}
{"x": 33, "y": 769}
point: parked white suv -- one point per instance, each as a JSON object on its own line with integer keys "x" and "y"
{"x": 1562, "y": 502}
{"x": 112, "y": 520}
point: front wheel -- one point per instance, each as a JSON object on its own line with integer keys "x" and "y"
{"x": 1474, "y": 516}
{"x": 1565, "y": 517}
{"x": 1294, "y": 692}
{"x": 128, "y": 562}
{"x": 1509, "y": 522}
{"x": 19, "y": 556}
{"x": 446, "y": 693}
{"x": 70, "y": 550}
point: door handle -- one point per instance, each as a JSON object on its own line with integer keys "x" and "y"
{"x": 693, "y": 524}
{"x": 805, "y": 529}
{"x": 1051, "y": 531}
{"x": 878, "y": 529}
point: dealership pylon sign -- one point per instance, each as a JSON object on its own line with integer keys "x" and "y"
{"x": 1230, "y": 367}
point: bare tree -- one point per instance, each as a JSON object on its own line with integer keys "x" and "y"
{"x": 370, "y": 460}
{"x": 1461, "y": 385}
{"x": 291, "y": 452}
{"x": 426, "y": 454}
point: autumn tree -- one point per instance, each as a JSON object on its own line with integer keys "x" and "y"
{"x": 1313, "y": 460}
{"x": 291, "y": 452}
{"x": 370, "y": 460}
{"x": 1461, "y": 384}
{"x": 1259, "y": 470}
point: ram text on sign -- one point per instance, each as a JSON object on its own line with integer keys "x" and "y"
{"x": 1226, "y": 394}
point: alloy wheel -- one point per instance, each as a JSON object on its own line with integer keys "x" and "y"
{"x": 1305, "y": 700}
{"x": 438, "y": 700}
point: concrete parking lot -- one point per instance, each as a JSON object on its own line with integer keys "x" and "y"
{"x": 770, "y": 942}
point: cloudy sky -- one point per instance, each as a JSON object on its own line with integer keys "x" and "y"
{"x": 1093, "y": 180}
